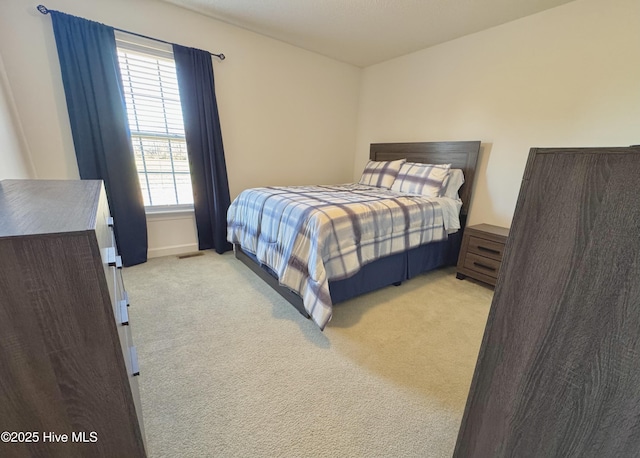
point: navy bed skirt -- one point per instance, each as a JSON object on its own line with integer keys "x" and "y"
{"x": 397, "y": 267}
{"x": 392, "y": 269}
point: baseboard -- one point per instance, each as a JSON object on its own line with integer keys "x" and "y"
{"x": 172, "y": 250}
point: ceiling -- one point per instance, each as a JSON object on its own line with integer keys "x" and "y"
{"x": 365, "y": 32}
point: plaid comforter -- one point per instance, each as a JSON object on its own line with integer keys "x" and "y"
{"x": 309, "y": 235}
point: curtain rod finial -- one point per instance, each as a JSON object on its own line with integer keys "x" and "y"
{"x": 222, "y": 57}
{"x": 43, "y": 9}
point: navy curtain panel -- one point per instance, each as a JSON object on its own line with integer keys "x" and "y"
{"x": 204, "y": 146}
{"x": 97, "y": 112}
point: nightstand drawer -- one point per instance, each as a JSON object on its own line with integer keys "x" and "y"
{"x": 481, "y": 264}
{"x": 486, "y": 248}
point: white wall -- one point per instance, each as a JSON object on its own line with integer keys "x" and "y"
{"x": 288, "y": 116}
{"x": 13, "y": 158}
{"x": 569, "y": 76}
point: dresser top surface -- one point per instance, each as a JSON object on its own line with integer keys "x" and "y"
{"x": 37, "y": 207}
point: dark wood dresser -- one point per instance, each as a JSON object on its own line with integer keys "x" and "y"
{"x": 558, "y": 374}
{"x": 67, "y": 360}
{"x": 481, "y": 253}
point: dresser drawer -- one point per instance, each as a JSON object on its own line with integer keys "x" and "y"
{"x": 481, "y": 264}
{"x": 486, "y": 248}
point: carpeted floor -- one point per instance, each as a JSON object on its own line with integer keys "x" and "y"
{"x": 230, "y": 369}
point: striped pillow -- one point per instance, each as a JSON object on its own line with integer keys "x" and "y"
{"x": 423, "y": 179}
{"x": 381, "y": 173}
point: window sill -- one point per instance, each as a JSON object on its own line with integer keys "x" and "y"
{"x": 169, "y": 212}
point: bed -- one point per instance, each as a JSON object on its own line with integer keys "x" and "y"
{"x": 326, "y": 253}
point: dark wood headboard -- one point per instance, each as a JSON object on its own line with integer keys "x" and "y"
{"x": 461, "y": 155}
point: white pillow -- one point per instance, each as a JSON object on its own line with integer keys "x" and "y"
{"x": 453, "y": 183}
{"x": 381, "y": 174}
{"x": 423, "y": 179}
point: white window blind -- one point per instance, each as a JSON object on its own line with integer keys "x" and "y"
{"x": 155, "y": 119}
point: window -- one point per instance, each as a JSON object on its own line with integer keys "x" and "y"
{"x": 155, "y": 120}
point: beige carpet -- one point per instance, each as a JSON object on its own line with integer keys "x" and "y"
{"x": 230, "y": 369}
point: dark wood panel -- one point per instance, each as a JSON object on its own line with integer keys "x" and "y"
{"x": 557, "y": 373}
{"x": 29, "y": 399}
{"x": 461, "y": 155}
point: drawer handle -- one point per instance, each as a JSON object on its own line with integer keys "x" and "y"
{"x": 111, "y": 256}
{"x": 115, "y": 260}
{"x": 488, "y": 250}
{"x": 135, "y": 369}
{"x": 124, "y": 313}
{"x": 484, "y": 266}
{"x": 124, "y": 295}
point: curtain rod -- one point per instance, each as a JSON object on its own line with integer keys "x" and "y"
{"x": 44, "y": 10}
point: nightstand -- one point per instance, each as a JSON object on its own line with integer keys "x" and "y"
{"x": 481, "y": 253}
